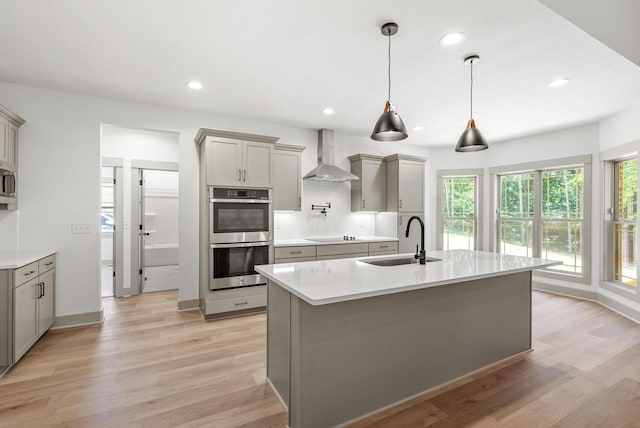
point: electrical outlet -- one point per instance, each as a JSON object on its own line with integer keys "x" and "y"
{"x": 80, "y": 228}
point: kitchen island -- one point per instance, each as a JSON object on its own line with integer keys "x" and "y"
{"x": 346, "y": 339}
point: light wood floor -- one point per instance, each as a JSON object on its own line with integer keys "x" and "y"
{"x": 151, "y": 366}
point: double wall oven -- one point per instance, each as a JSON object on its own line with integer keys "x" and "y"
{"x": 241, "y": 236}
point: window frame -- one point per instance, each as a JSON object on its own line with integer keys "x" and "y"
{"x": 537, "y": 168}
{"x": 478, "y": 175}
{"x": 608, "y": 199}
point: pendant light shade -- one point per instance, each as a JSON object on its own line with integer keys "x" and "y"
{"x": 389, "y": 126}
{"x": 471, "y": 139}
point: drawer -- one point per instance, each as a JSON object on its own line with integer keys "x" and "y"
{"x": 296, "y": 260}
{"x": 383, "y": 246}
{"x": 47, "y": 263}
{"x": 25, "y": 273}
{"x": 342, "y": 256}
{"x": 328, "y": 250}
{"x": 383, "y": 253}
{"x": 236, "y": 304}
{"x": 288, "y": 252}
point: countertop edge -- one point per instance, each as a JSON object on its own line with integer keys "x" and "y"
{"x": 18, "y": 259}
{"x": 302, "y": 242}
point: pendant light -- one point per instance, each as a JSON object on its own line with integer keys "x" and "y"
{"x": 471, "y": 140}
{"x": 389, "y": 126}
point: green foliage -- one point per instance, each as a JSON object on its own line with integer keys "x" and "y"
{"x": 628, "y": 189}
{"x": 458, "y": 194}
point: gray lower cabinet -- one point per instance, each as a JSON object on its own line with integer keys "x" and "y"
{"x": 33, "y": 303}
{"x": 307, "y": 253}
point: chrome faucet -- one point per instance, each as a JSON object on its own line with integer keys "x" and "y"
{"x": 419, "y": 254}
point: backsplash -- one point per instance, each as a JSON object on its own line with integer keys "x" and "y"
{"x": 338, "y": 221}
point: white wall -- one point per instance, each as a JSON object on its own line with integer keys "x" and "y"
{"x": 620, "y": 129}
{"x": 60, "y": 179}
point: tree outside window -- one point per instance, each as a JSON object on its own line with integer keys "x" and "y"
{"x": 458, "y": 213}
{"x": 624, "y": 224}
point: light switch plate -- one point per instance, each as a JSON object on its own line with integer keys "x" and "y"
{"x": 80, "y": 228}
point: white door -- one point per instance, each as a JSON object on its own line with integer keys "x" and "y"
{"x": 286, "y": 181}
{"x": 4, "y": 139}
{"x": 159, "y": 231}
{"x": 25, "y": 306}
{"x": 374, "y": 186}
{"x": 45, "y": 302}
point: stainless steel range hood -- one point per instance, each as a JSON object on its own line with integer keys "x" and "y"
{"x": 326, "y": 170}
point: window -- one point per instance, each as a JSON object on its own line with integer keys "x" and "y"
{"x": 624, "y": 222}
{"x": 543, "y": 211}
{"x": 458, "y": 211}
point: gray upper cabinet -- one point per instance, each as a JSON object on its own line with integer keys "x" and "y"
{"x": 370, "y": 192}
{"x": 9, "y": 124}
{"x": 287, "y": 177}
{"x": 405, "y": 183}
{"x": 236, "y": 159}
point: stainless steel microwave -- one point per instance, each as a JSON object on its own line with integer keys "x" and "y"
{"x": 240, "y": 215}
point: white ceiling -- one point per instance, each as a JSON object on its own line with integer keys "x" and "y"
{"x": 285, "y": 60}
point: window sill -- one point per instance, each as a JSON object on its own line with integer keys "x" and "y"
{"x": 621, "y": 289}
{"x": 568, "y": 277}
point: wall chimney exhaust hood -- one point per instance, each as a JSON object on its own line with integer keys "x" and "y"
{"x": 326, "y": 170}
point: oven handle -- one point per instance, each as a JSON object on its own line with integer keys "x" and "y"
{"x": 240, "y": 201}
{"x": 241, "y": 245}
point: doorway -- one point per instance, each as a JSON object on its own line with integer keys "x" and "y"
{"x": 139, "y": 211}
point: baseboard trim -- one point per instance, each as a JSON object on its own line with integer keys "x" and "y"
{"x": 78, "y": 320}
{"x": 565, "y": 291}
{"x": 619, "y": 308}
{"x": 188, "y": 305}
{"x": 275, "y": 391}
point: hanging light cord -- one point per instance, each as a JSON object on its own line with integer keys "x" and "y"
{"x": 471, "y": 90}
{"x": 389, "y": 69}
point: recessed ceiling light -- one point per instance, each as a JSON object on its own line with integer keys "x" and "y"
{"x": 558, "y": 82}
{"x": 417, "y": 128}
{"x": 451, "y": 39}
{"x": 194, "y": 85}
{"x": 328, "y": 111}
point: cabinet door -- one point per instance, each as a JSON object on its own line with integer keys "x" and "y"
{"x": 410, "y": 187}
{"x": 12, "y": 144}
{"x": 257, "y": 164}
{"x": 224, "y": 162}
{"x": 4, "y": 139}
{"x": 25, "y": 327}
{"x": 374, "y": 186}
{"x": 287, "y": 184}
{"x": 408, "y": 245}
{"x": 45, "y": 303}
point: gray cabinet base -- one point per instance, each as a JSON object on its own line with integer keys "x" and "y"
{"x": 335, "y": 363}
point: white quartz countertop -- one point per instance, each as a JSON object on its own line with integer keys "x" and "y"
{"x": 337, "y": 240}
{"x": 332, "y": 281}
{"x": 16, "y": 259}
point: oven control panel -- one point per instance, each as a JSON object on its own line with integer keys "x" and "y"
{"x": 228, "y": 193}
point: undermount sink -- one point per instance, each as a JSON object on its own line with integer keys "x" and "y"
{"x": 397, "y": 261}
{"x": 332, "y": 239}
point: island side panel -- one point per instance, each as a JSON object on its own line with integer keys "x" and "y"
{"x": 352, "y": 358}
{"x": 278, "y": 336}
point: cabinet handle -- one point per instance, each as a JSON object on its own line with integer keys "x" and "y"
{"x": 400, "y": 203}
{"x": 30, "y": 273}
{"x": 296, "y": 252}
{"x": 384, "y": 246}
{"x": 399, "y": 220}
{"x": 299, "y": 201}
{"x": 242, "y": 303}
{"x": 40, "y": 292}
{"x": 245, "y": 174}
{"x": 239, "y": 175}
{"x": 44, "y": 289}
{"x": 48, "y": 264}
{"x": 363, "y": 204}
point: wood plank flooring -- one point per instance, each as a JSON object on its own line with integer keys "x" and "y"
{"x": 151, "y": 366}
